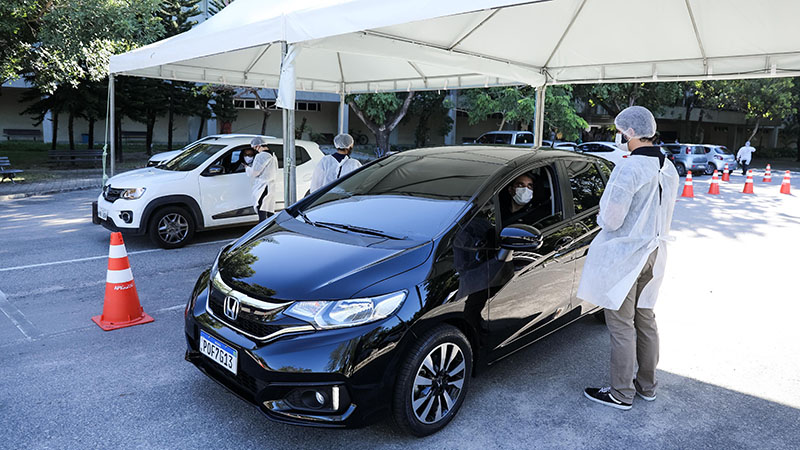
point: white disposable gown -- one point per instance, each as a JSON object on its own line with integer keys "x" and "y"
{"x": 329, "y": 169}
{"x": 634, "y": 223}
{"x": 263, "y": 175}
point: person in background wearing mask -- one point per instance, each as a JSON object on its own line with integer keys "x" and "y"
{"x": 337, "y": 165}
{"x": 744, "y": 155}
{"x": 263, "y": 172}
{"x": 625, "y": 264}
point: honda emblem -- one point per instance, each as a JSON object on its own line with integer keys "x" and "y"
{"x": 232, "y": 307}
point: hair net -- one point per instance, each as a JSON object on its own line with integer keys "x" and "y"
{"x": 258, "y": 140}
{"x": 343, "y": 140}
{"x": 636, "y": 122}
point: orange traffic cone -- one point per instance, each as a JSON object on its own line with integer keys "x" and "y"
{"x": 714, "y": 189}
{"x": 786, "y": 185}
{"x": 121, "y": 306}
{"x": 767, "y": 175}
{"x": 726, "y": 175}
{"x": 748, "y": 185}
{"x": 688, "y": 190}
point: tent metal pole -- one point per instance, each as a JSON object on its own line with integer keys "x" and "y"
{"x": 538, "y": 117}
{"x": 112, "y": 125}
{"x": 342, "y": 112}
{"x": 289, "y": 173}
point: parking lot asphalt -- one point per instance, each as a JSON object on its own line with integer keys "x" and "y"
{"x": 729, "y": 369}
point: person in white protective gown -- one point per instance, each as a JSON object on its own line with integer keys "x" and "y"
{"x": 744, "y": 155}
{"x": 626, "y": 261}
{"x": 332, "y": 167}
{"x": 263, "y": 173}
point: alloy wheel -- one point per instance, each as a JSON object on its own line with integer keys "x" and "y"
{"x": 173, "y": 228}
{"x": 438, "y": 383}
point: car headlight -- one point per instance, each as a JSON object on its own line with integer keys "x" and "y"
{"x": 132, "y": 193}
{"x": 347, "y": 313}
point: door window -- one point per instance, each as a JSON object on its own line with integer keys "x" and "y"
{"x": 524, "y": 138}
{"x": 502, "y": 138}
{"x": 300, "y": 157}
{"x": 586, "y": 184}
{"x": 542, "y": 210}
{"x": 232, "y": 161}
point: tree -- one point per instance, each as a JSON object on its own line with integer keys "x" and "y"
{"x": 426, "y": 106}
{"x": 18, "y": 25}
{"x": 381, "y": 113}
{"x": 560, "y": 116}
{"x": 222, "y": 105}
{"x": 616, "y": 97}
{"x": 759, "y": 99}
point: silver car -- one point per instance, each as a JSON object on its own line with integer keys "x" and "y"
{"x": 520, "y": 138}
{"x": 719, "y": 155}
{"x": 690, "y": 157}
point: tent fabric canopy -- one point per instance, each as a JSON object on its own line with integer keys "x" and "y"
{"x": 356, "y": 46}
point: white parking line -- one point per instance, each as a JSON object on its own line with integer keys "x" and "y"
{"x": 19, "y": 320}
{"x": 90, "y": 258}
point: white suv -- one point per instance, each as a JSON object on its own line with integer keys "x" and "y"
{"x": 201, "y": 188}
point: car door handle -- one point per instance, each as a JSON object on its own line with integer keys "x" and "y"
{"x": 564, "y": 241}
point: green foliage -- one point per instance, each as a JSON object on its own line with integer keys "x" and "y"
{"x": 377, "y": 107}
{"x": 76, "y": 38}
{"x": 215, "y": 6}
{"x": 616, "y": 97}
{"x": 560, "y": 115}
{"x": 176, "y": 16}
{"x": 772, "y": 98}
{"x": 18, "y": 22}
{"x": 427, "y": 106}
{"x": 223, "y": 102}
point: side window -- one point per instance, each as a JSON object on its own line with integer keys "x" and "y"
{"x": 486, "y": 139}
{"x": 300, "y": 157}
{"x": 586, "y": 183}
{"x": 502, "y": 138}
{"x": 698, "y": 150}
{"x": 524, "y": 138}
{"x": 542, "y": 210}
{"x": 231, "y": 161}
{"x": 605, "y": 169}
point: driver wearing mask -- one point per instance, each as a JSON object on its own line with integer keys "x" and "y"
{"x": 518, "y": 208}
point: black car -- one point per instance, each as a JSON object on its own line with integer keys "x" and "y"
{"x": 389, "y": 288}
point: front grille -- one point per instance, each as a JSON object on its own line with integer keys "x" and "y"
{"x": 111, "y": 194}
{"x": 250, "y": 320}
{"x": 241, "y": 379}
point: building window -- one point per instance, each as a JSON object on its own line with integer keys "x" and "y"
{"x": 242, "y": 103}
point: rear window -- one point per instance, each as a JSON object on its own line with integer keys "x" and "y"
{"x": 724, "y": 150}
{"x": 525, "y": 138}
{"x": 301, "y": 155}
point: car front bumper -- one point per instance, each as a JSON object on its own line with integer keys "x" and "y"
{"x": 358, "y": 362}
{"x": 113, "y": 217}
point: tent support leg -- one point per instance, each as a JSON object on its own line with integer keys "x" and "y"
{"x": 289, "y": 174}
{"x": 538, "y": 118}
{"x": 111, "y": 125}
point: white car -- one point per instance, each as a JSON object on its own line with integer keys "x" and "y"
{"x": 203, "y": 187}
{"x": 605, "y": 150}
{"x": 163, "y": 157}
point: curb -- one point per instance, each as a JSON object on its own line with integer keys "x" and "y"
{"x": 44, "y": 192}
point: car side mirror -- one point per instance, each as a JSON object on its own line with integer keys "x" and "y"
{"x": 520, "y": 237}
{"x": 214, "y": 170}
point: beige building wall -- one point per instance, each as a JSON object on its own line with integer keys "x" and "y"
{"x": 10, "y": 109}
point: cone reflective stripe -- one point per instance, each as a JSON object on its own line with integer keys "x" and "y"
{"x": 726, "y": 175}
{"x": 688, "y": 189}
{"x": 768, "y": 175}
{"x": 748, "y": 185}
{"x": 786, "y": 184}
{"x": 121, "y": 306}
{"x": 714, "y": 189}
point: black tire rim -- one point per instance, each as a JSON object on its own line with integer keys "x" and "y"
{"x": 173, "y": 228}
{"x": 438, "y": 383}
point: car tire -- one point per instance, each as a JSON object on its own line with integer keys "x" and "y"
{"x": 681, "y": 169}
{"x": 171, "y": 227}
{"x": 710, "y": 168}
{"x": 432, "y": 381}
{"x": 600, "y": 316}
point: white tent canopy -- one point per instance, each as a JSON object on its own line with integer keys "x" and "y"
{"x": 394, "y": 45}
{"x": 356, "y": 46}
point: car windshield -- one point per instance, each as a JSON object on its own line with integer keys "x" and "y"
{"x": 192, "y": 157}
{"x": 403, "y": 195}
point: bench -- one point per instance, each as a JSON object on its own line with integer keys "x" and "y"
{"x": 133, "y": 135}
{"x": 6, "y": 171}
{"x": 14, "y": 132}
{"x": 74, "y": 157}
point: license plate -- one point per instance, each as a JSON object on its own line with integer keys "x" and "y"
{"x": 102, "y": 213}
{"x": 219, "y": 352}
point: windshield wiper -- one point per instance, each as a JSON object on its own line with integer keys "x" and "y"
{"x": 317, "y": 224}
{"x": 363, "y": 230}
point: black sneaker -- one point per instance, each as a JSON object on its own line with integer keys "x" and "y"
{"x": 603, "y": 396}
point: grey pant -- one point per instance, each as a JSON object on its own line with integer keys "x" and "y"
{"x": 634, "y": 340}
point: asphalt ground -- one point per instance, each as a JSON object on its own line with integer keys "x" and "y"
{"x": 728, "y": 314}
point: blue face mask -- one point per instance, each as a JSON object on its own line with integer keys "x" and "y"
{"x": 248, "y": 160}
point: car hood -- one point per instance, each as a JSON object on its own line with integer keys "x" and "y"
{"x": 294, "y": 261}
{"x": 143, "y": 177}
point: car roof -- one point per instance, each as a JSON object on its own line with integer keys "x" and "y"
{"x": 509, "y": 132}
